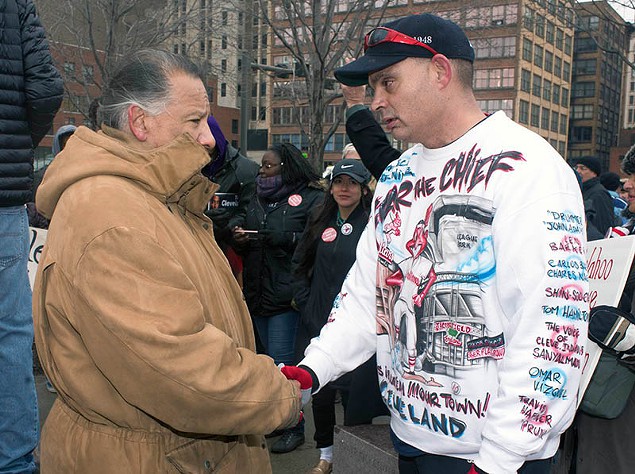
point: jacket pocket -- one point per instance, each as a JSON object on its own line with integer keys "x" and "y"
{"x": 204, "y": 456}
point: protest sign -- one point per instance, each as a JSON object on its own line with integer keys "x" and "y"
{"x": 608, "y": 265}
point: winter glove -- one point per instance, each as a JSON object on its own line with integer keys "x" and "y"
{"x": 613, "y": 329}
{"x": 292, "y": 372}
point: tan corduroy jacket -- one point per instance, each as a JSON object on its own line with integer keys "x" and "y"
{"x": 140, "y": 324}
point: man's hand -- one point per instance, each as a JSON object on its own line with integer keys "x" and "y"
{"x": 354, "y": 95}
{"x": 302, "y": 376}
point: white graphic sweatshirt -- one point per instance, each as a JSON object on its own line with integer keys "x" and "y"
{"x": 470, "y": 284}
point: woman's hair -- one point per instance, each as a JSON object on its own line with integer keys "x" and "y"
{"x": 296, "y": 168}
{"x": 141, "y": 79}
{"x": 319, "y": 220}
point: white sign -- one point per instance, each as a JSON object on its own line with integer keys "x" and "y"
{"x": 608, "y": 265}
{"x": 38, "y": 239}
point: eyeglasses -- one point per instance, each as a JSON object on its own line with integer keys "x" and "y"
{"x": 270, "y": 165}
{"x": 381, "y": 34}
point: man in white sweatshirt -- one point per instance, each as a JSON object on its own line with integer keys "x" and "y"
{"x": 501, "y": 306}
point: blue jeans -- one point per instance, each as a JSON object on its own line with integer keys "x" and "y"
{"x": 277, "y": 334}
{"x": 19, "y": 424}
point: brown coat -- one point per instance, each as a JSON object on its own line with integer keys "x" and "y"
{"x": 140, "y": 324}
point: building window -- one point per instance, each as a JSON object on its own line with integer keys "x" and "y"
{"x": 565, "y": 97}
{"x": 523, "y": 113}
{"x": 555, "y": 94}
{"x": 493, "y": 105}
{"x": 548, "y": 61}
{"x": 567, "y": 45}
{"x": 535, "y": 115}
{"x": 69, "y": 70}
{"x": 559, "y": 39}
{"x": 585, "y": 45}
{"x": 544, "y": 120}
{"x": 554, "y": 121}
{"x": 582, "y": 111}
{"x": 557, "y": 67}
{"x": 563, "y": 124}
{"x": 493, "y": 78}
{"x": 581, "y": 134}
{"x": 537, "y": 85}
{"x": 540, "y": 26}
{"x": 223, "y": 18}
{"x": 527, "y": 49}
{"x": 550, "y": 32}
{"x": 89, "y": 74}
{"x": 223, "y": 42}
{"x": 583, "y": 89}
{"x": 525, "y": 80}
{"x": 538, "y": 55}
{"x": 584, "y": 66}
{"x": 546, "y": 89}
{"x": 234, "y": 126}
{"x": 566, "y": 71}
{"x": 502, "y": 47}
{"x": 223, "y": 89}
{"x": 223, "y": 65}
{"x": 528, "y": 19}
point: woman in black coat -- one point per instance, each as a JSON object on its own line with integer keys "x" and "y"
{"x": 321, "y": 263}
{"x": 287, "y": 191}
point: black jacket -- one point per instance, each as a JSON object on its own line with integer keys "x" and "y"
{"x": 237, "y": 181}
{"x": 598, "y": 206}
{"x": 267, "y": 258}
{"x": 31, "y": 91}
{"x": 369, "y": 140}
{"x": 314, "y": 295}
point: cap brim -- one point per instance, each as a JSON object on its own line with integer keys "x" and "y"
{"x": 356, "y": 72}
{"x": 359, "y": 179}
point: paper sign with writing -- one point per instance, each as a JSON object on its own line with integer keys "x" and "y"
{"x": 37, "y": 238}
{"x": 608, "y": 265}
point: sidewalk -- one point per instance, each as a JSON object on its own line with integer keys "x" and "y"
{"x": 296, "y": 462}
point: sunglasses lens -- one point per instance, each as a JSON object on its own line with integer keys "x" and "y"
{"x": 377, "y": 36}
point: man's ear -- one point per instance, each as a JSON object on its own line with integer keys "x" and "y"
{"x": 137, "y": 122}
{"x": 442, "y": 69}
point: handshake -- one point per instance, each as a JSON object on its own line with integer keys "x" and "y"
{"x": 292, "y": 372}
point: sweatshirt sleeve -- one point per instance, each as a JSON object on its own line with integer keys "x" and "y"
{"x": 542, "y": 288}
{"x": 142, "y": 321}
{"x": 348, "y": 339}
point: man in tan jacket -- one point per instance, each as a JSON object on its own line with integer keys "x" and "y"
{"x": 139, "y": 323}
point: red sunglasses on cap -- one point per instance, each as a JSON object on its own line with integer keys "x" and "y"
{"x": 381, "y": 34}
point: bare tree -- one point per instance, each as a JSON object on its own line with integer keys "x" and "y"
{"x": 93, "y": 34}
{"x": 318, "y": 35}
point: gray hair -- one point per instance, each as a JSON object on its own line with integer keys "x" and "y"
{"x": 141, "y": 79}
{"x": 628, "y": 163}
{"x": 347, "y": 148}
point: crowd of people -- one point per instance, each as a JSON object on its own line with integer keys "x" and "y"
{"x": 190, "y": 302}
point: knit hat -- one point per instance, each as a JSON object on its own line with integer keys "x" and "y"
{"x": 212, "y": 167}
{"x": 416, "y": 36}
{"x": 591, "y": 162}
{"x": 610, "y": 181}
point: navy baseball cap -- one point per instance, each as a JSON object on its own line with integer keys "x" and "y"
{"x": 353, "y": 168}
{"x": 386, "y": 45}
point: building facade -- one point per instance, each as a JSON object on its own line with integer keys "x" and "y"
{"x": 600, "y": 47}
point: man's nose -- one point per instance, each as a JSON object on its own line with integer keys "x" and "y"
{"x": 205, "y": 136}
{"x": 378, "y": 102}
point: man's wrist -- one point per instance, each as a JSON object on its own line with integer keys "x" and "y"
{"x": 353, "y": 109}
